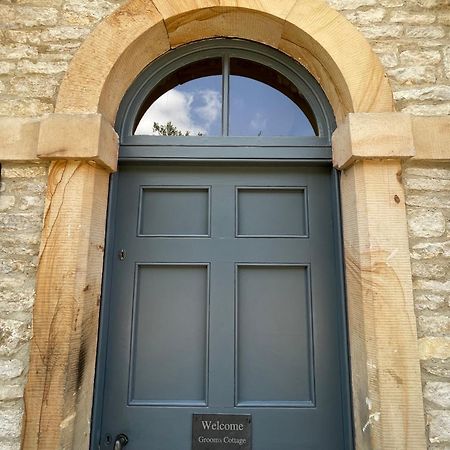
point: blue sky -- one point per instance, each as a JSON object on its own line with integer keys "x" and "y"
{"x": 255, "y": 109}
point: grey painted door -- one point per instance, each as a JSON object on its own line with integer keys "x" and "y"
{"x": 225, "y": 299}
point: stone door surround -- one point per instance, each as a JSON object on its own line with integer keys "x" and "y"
{"x": 368, "y": 146}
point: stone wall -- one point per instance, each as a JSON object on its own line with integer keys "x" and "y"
{"x": 37, "y": 40}
{"x": 428, "y": 198}
{"x": 22, "y": 192}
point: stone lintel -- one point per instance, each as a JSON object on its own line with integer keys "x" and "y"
{"x": 78, "y": 137}
{"x": 373, "y": 136}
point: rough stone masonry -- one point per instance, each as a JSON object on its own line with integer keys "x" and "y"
{"x": 37, "y": 41}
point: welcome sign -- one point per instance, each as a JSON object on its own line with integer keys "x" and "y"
{"x": 221, "y": 432}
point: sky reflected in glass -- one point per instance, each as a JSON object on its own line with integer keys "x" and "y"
{"x": 257, "y": 109}
{"x": 194, "y": 107}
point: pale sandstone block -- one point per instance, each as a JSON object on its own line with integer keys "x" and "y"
{"x": 429, "y": 3}
{"x": 434, "y": 347}
{"x": 350, "y": 4}
{"x": 413, "y": 18}
{"x": 382, "y": 31}
{"x": 34, "y": 86}
{"x": 427, "y": 184}
{"x": 11, "y": 368}
{"x": 436, "y": 325}
{"x": 429, "y": 250}
{"x": 428, "y": 110}
{"x": 436, "y": 93}
{"x": 41, "y": 67}
{"x": 429, "y": 301}
{"x": 430, "y": 32}
{"x": 17, "y": 51}
{"x": 447, "y": 61}
{"x": 31, "y": 16}
{"x": 438, "y": 393}
{"x": 433, "y": 285}
{"x": 388, "y": 59}
{"x": 6, "y": 202}
{"x": 420, "y": 57}
{"x": 392, "y": 3}
{"x": 10, "y": 392}
{"x": 11, "y": 422}
{"x": 82, "y": 13}
{"x": 368, "y": 17}
{"x": 413, "y": 75}
{"x": 24, "y": 37}
{"x": 426, "y": 223}
{"x": 13, "y": 335}
{"x": 439, "y": 368}
{"x": 64, "y": 33}
{"x": 7, "y": 67}
{"x": 425, "y": 269}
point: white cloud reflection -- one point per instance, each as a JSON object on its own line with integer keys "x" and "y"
{"x": 194, "y": 111}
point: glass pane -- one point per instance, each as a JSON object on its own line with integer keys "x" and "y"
{"x": 265, "y": 103}
{"x": 186, "y": 103}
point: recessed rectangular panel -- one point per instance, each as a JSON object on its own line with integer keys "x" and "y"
{"x": 274, "y": 342}
{"x": 174, "y": 211}
{"x": 271, "y": 211}
{"x": 169, "y": 357}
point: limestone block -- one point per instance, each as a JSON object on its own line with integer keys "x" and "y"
{"x": 11, "y": 422}
{"x": 439, "y": 425}
{"x": 351, "y": 4}
{"x": 438, "y": 393}
{"x": 11, "y": 368}
{"x": 429, "y": 301}
{"x": 426, "y": 223}
{"x": 382, "y": 31}
{"x": 78, "y": 137}
{"x": 426, "y": 32}
{"x": 13, "y": 335}
{"x": 434, "y": 347}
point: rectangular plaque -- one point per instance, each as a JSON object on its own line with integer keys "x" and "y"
{"x": 221, "y": 432}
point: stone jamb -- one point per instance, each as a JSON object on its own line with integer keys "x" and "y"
{"x": 387, "y": 397}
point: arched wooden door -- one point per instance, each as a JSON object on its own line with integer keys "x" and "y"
{"x": 224, "y": 318}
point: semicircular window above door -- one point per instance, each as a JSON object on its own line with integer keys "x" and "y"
{"x": 258, "y": 101}
{"x": 227, "y": 91}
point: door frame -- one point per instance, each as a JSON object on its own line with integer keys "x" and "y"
{"x": 367, "y": 147}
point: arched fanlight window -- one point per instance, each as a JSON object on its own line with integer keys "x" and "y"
{"x": 225, "y": 88}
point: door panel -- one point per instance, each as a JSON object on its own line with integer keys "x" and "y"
{"x": 227, "y": 302}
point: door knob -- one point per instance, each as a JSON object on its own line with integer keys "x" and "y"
{"x": 120, "y": 442}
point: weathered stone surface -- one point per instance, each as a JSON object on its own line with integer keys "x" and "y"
{"x": 10, "y": 422}
{"x": 447, "y": 62}
{"x": 425, "y": 269}
{"x": 413, "y": 75}
{"x": 435, "y": 325}
{"x": 17, "y": 51}
{"x": 50, "y": 68}
{"x": 34, "y": 86}
{"x": 438, "y": 393}
{"x": 439, "y": 423}
{"x": 434, "y": 347}
{"x": 351, "y": 4}
{"x": 66, "y": 33}
{"x": 382, "y": 31}
{"x": 430, "y": 301}
{"x": 368, "y": 17}
{"x": 13, "y": 334}
{"x": 427, "y": 109}
{"x": 420, "y": 57}
{"x": 430, "y": 32}
{"x": 413, "y": 18}
{"x": 426, "y": 223}
{"x": 10, "y": 392}
{"x": 11, "y": 368}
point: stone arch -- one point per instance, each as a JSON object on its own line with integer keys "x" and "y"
{"x": 387, "y": 397}
{"x": 309, "y": 31}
